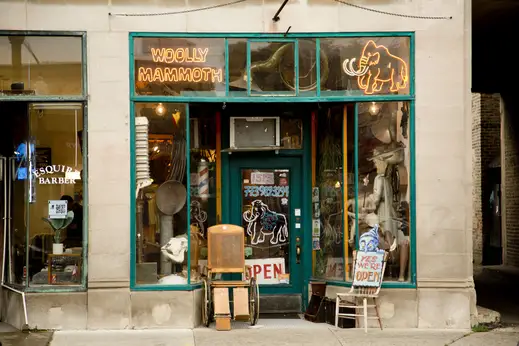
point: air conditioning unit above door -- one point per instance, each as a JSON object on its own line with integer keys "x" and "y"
{"x": 254, "y": 133}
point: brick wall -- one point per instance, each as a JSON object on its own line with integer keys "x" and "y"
{"x": 511, "y": 179}
{"x": 486, "y": 138}
{"x": 477, "y": 218}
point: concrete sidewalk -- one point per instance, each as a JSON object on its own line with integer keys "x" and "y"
{"x": 280, "y": 332}
{"x": 10, "y": 336}
{"x": 25, "y": 338}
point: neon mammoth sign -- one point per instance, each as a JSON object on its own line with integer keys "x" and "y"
{"x": 377, "y": 67}
{"x": 186, "y": 56}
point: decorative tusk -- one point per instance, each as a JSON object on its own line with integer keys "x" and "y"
{"x": 393, "y": 246}
{"x": 348, "y": 68}
{"x": 360, "y": 72}
{"x": 352, "y": 69}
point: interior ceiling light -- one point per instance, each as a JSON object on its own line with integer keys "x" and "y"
{"x": 160, "y": 109}
{"x": 374, "y": 108}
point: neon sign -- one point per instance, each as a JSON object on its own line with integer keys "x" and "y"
{"x": 179, "y": 55}
{"x": 180, "y": 74}
{"x": 377, "y": 67}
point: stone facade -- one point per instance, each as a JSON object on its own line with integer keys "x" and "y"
{"x": 444, "y": 297}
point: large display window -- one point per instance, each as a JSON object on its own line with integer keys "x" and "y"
{"x": 333, "y": 177}
{"x": 354, "y": 147}
{"x": 175, "y": 171}
{"x": 362, "y": 179}
{"x": 41, "y": 64}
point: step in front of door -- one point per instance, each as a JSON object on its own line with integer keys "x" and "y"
{"x": 280, "y": 303}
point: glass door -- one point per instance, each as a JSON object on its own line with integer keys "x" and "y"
{"x": 41, "y": 189}
{"x": 55, "y": 194}
{"x": 266, "y": 202}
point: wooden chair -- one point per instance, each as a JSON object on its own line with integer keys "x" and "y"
{"x": 357, "y": 294}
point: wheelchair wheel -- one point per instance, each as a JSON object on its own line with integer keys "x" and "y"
{"x": 207, "y": 304}
{"x": 253, "y": 301}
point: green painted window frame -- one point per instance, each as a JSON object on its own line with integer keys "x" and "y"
{"x": 54, "y": 98}
{"x": 412, "y": 258}
{"x": 262, "y": 37}
{"x": 83, "y": 98}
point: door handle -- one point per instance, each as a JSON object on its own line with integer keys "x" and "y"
{"x": 2, "y": 167}
{"x": 298, "y": 250}
{"x": 3, "y": 170}
{"x": 12, "y": 164}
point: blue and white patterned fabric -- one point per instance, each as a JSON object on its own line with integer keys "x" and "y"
{"x": 368, "y": 242}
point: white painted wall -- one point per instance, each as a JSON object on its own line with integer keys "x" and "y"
{"x": 443, "y": 131}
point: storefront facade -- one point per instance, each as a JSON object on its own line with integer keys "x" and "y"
{"x": 305, "y": 136}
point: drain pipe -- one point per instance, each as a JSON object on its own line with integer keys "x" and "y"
{"x": 6, "y": 229}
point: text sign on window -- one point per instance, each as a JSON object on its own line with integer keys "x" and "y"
{"x": 70, "y": 175}
{"x": 262, "y": 178}
{"x": 191, "y": 67}
{"x": 57, "y": 209}
{"x": 266, "y": 271}
{"x": 368, "y": 268}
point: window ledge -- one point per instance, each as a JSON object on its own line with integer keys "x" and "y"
{"x": 386, "y": 284}
{"x": 190, "y": 287}
{"x": 46, "y": 289}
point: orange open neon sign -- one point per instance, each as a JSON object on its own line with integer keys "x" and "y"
{"x": 180, "y": 74}
{"x": 377, "y": 67}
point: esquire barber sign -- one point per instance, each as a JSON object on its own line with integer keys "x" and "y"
{"x": 56, "y": 175}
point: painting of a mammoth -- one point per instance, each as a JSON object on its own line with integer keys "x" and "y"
{"x": 262, "y": 221}
{"x": 376, "y": 68}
